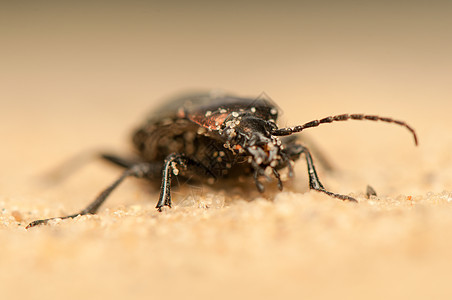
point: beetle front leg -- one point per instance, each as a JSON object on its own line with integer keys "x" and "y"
{"x": 139, "y": 170}
{"x": 176, "y": 164}
{"x": 294, "y": 151}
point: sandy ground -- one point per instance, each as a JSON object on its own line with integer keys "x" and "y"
{"x": 72, "y": 86}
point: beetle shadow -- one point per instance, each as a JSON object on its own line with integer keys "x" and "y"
{"x": 232, "y": 189}
{"x": 189, "y": 192}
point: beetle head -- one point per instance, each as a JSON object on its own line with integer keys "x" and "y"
{"x": 249, "y": 135}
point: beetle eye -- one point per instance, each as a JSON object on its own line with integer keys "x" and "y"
{"x": 272, "y": 125}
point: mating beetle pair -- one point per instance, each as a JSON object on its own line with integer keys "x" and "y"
{"x": 212, "y": 136}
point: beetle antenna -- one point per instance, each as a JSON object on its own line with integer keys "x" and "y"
{"x": 343, "y": 117}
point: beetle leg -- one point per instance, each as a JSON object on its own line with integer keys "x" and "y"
{"x": 117, "y": 160}
{"x": 314, "y": 181}
{"x": 175, "y": 164}
{"x": 278, "y": 177}
{"x": 259, "y": 185}
{"x": 139, "y": 170}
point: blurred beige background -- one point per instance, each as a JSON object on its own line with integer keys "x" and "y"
{"x": 82, "y": 76}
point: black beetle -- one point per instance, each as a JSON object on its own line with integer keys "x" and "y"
{"x": 213, "y": 136}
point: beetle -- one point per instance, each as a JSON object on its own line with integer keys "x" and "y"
{"x": 214, "y": 136}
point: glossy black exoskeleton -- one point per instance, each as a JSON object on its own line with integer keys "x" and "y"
{"x": 211, "y": 136}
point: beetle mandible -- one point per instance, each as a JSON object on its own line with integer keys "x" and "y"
{"x": 212, "y": 136}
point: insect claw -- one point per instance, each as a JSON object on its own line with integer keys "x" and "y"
{"x": 338, "y": 196}
{"x": 260, "y": 186}
{"x": 348, "y": 198}
{"x": 37, "y": 223}
{"x": 278, "y": 177}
